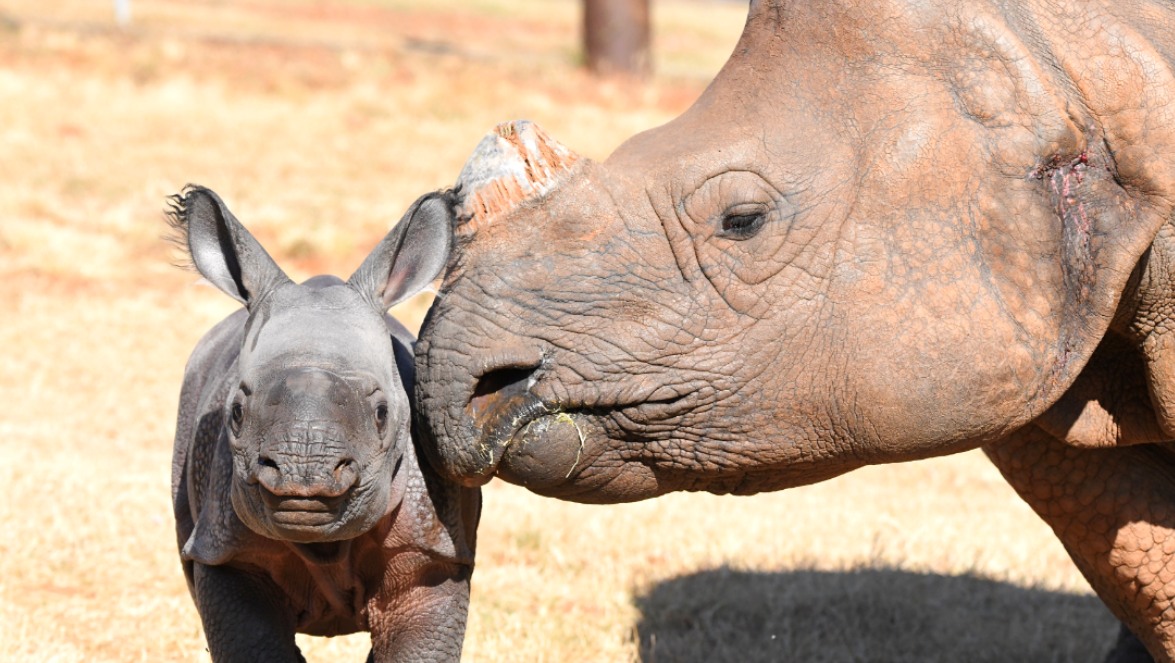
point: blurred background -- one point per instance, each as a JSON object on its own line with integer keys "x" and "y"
{"x": 319, "y": 121}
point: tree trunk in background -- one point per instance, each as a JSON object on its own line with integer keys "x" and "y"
{"x": 616, "y": 36}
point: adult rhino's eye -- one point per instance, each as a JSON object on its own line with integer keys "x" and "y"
{"x": 742, "y": 223}
{"x": 238, "y": 417}
{"x": 381, "y": 417}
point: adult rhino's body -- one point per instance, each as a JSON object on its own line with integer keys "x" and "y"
{"x": 887, "y": 231}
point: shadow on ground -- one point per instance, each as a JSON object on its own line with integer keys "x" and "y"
{"x": 866, "y": 616}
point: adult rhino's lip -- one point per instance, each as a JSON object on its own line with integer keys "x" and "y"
{"x": 522, "y": 438}
{"x": 501, "y": 406}
{"x": 528, "y": 442}
{"x": 539, "y": 443}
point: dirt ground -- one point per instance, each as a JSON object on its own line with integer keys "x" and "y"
{"x": 319, "y": 122}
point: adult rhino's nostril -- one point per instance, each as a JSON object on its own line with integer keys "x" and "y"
{"x": 500, "y": 379}
{"x": 498, "y": 386}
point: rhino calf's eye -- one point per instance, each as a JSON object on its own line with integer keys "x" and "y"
{"x": 381, "y": 417}
{"x": 238, "y": 417}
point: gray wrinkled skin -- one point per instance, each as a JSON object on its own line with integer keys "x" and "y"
{"x": 301, "y": 505}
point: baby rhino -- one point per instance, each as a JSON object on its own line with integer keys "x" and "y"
{"x": 302, "y": 501}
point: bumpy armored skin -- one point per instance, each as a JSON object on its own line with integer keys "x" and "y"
{"x": 888, "y": 230}
{"x": 300, "y": 500}
{"x": 1114, "y": 509}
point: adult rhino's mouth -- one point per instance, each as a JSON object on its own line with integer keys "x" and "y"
{"x": 501, "y": 407}
{"x": 502, "y": 403}
{"x": 538, "y": 442}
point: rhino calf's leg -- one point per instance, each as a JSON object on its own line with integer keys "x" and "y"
{"x": 1114, "y": 510}
{"x": 245, "y": 618}
{"x": 421, "y": 617}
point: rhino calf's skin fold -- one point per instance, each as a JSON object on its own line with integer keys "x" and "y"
{"x": 302, "y": 503}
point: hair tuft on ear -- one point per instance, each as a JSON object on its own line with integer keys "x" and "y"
{"x": 176, "y": 218}
{"x": 219, "y": 247}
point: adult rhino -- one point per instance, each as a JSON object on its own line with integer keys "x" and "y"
{"x": 889, "y": 230}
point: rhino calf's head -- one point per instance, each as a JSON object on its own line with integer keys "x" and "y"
{"x": 319, "y": 419}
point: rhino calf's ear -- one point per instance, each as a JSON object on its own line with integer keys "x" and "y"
{"x": 412, "y": 254}
{"x": 221, "y": 249}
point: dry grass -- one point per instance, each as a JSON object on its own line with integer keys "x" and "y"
{"x": 319, "y": 124}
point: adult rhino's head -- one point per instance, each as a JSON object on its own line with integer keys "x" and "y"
{"x": 319, "y": 419}
{"x": 887, "y": 230}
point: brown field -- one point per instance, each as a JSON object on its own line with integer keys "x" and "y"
{"x": 319, "y": 123}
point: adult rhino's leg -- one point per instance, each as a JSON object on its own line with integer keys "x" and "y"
{"x": 244, "y": 616}
{"x": 1114, "y": 510}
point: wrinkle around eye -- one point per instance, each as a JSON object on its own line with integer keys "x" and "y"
{"x": 723, "y": 192}
{"x": 681, "y": 245}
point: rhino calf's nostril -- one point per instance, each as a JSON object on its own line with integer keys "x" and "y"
{"x": 341, "y": 467}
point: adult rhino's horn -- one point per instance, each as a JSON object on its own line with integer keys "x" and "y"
{"x": 515, "y": 162}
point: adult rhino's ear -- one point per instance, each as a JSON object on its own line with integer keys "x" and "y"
{"x": 412, "y": 254}
{"x": 221, "y": 249}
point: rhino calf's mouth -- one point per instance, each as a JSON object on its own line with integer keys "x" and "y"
{"x": 302, "y": 511}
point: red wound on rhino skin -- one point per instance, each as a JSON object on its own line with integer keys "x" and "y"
{"x": 515, "y": 162}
